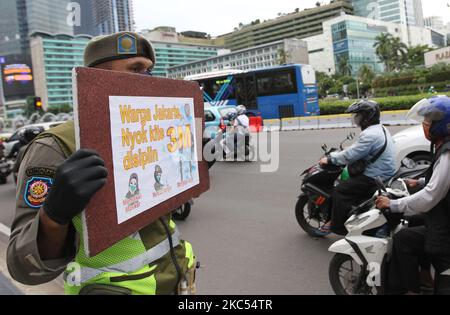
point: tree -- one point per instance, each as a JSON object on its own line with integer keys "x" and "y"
{"x": 344, "y": 66}
{"x": 283, "y": 57}
{"x": 366, "y": 74}
{"x": 415, "y": 56}
{"x": 391, "y": 51}
{"x": 325, "y": 83}
{"x": 399, "y": 52}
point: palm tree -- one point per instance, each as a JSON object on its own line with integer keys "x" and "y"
{"x": 383, "y": 49}
{"x": 399, "y": 53}
{"x": 344, "y": 66}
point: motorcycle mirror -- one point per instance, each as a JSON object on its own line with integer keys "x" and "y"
{"x": 351, "y": 136}
{"x": 408, "y": 163}
{"x": 325, "y": 147}
{"x": 380, "y": 184}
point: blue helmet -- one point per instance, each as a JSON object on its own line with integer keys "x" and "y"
{"x": 435, "y": 110}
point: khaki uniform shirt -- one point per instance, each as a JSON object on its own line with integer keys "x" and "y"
{"x": 24, "y": 262}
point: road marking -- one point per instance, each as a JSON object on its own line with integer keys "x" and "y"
{"x": 5, "y": 230}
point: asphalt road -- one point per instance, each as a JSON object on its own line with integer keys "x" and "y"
{"x": 244, "y": 230}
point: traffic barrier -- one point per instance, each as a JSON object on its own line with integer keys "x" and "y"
{"x": 272, "y": 125}
{"x": 394, "y": 118}
{"x": 289, "y": 124}
{"x": 329, "y": 122}
{"x": 309, "y": 123}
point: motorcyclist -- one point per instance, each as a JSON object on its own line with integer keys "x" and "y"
{"x": 28, "y": 135}
{"x": 433, "y": 239}
{"x": 372, "y": 156}
{"x": 25, "y": 137}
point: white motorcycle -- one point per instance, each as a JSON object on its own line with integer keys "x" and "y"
{"x": 360, "y": 264}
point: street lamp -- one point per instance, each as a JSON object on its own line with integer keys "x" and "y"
{"x": 357, "y": 87}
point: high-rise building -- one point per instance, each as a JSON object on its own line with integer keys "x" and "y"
{"x": 299, "y": 24}
{"x": 435, "y": 23}
{"x": 19, "y": 18}
{"x": 111, "y": 16}
{"x": 54, "y": 57}
{"x": 408, "y": 12}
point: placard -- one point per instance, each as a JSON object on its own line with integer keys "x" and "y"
{"x": 149, "y": 132}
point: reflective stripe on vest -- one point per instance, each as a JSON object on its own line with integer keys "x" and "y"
{"x": 135, "y": 263}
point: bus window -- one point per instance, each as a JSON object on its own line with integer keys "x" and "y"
{"x": 276, "y": 83}
{"x": 213, "y": 87}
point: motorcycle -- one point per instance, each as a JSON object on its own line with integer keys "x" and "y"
{"x": 5, "y": 170}
{"x": 182, "y": 213}
{"x": 361, "y": 259}
{"x": 359, "y": 266}
{"x": 313, "y": 208}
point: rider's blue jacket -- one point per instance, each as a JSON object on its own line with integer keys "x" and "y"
{"x": 369, "y": 143}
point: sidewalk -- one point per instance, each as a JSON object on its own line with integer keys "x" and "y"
{"x": 10, "y": 287}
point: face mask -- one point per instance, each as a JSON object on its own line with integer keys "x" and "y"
{"x": 158, "y": 178}
{"x": 133, "y": 188}
{"x": 426, "y": 130}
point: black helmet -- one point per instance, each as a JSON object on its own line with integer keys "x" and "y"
{"x": 30, "y": 133}
{"x": 366, "y": 113}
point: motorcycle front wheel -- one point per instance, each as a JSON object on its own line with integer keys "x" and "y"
{"x": 182, "y": 213}
{"x": 344, "y": 274}
{"x": 309, "y": 219}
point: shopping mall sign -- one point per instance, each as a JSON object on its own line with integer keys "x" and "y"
{"x": 437, "y": 56}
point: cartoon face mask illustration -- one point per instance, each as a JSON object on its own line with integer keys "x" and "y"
{"x": 133, "y": 186}
{"x": 158, "y": 174}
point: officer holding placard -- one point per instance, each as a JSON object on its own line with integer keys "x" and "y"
{"x": 55, "y": 184}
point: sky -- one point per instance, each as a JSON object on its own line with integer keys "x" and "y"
{"x": 220, "y": 17}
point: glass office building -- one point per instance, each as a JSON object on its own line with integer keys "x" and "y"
{"x": 19, "y": 18}
{"x": 355, "y": 41}
{"x": 9, "y": 28}
{"x": 408, "y": 12}
{"x": 54, "y": 57}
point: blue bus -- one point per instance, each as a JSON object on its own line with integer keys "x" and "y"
{"x": 274, "y": 93}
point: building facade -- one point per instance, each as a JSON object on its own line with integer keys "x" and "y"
{"x": 263, "y": 56}
{"x": 112, "y": 16}
{"x": 299, "y": 24}
{"x": 437, "y": 56}
{"x": 407, "y": 12}
{"x": 173, "y": 49}
{"x": 54, "y": 57}
{"x": 353, "y": 38}
{"x": 19, "y": 18}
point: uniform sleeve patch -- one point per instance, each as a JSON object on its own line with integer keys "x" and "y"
{"x": 36, "y": 191}
{"x": 40, "y": 172}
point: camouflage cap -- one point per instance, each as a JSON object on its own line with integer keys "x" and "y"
{"x": 117, "y": 46}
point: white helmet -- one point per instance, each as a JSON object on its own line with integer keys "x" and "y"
{"x": 241, "y": 110}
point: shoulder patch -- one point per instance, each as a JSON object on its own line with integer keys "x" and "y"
{"x": 36, "y": 191}
{"x": 40, "y": 171}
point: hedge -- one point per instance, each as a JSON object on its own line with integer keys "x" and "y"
{"x": 334, "y": 107}
{"x": 412, "y": 89}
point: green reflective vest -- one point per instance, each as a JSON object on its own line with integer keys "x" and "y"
{"x": 141, "y": 263}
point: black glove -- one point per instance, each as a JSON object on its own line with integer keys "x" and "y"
{"x": 76, "y": 182}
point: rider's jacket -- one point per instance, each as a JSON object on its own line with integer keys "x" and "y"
{"x": 369, "y": 143}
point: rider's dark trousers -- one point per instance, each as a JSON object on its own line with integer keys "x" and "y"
{"x": 347, "y": 194}
{"x": 408, "y": 252}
